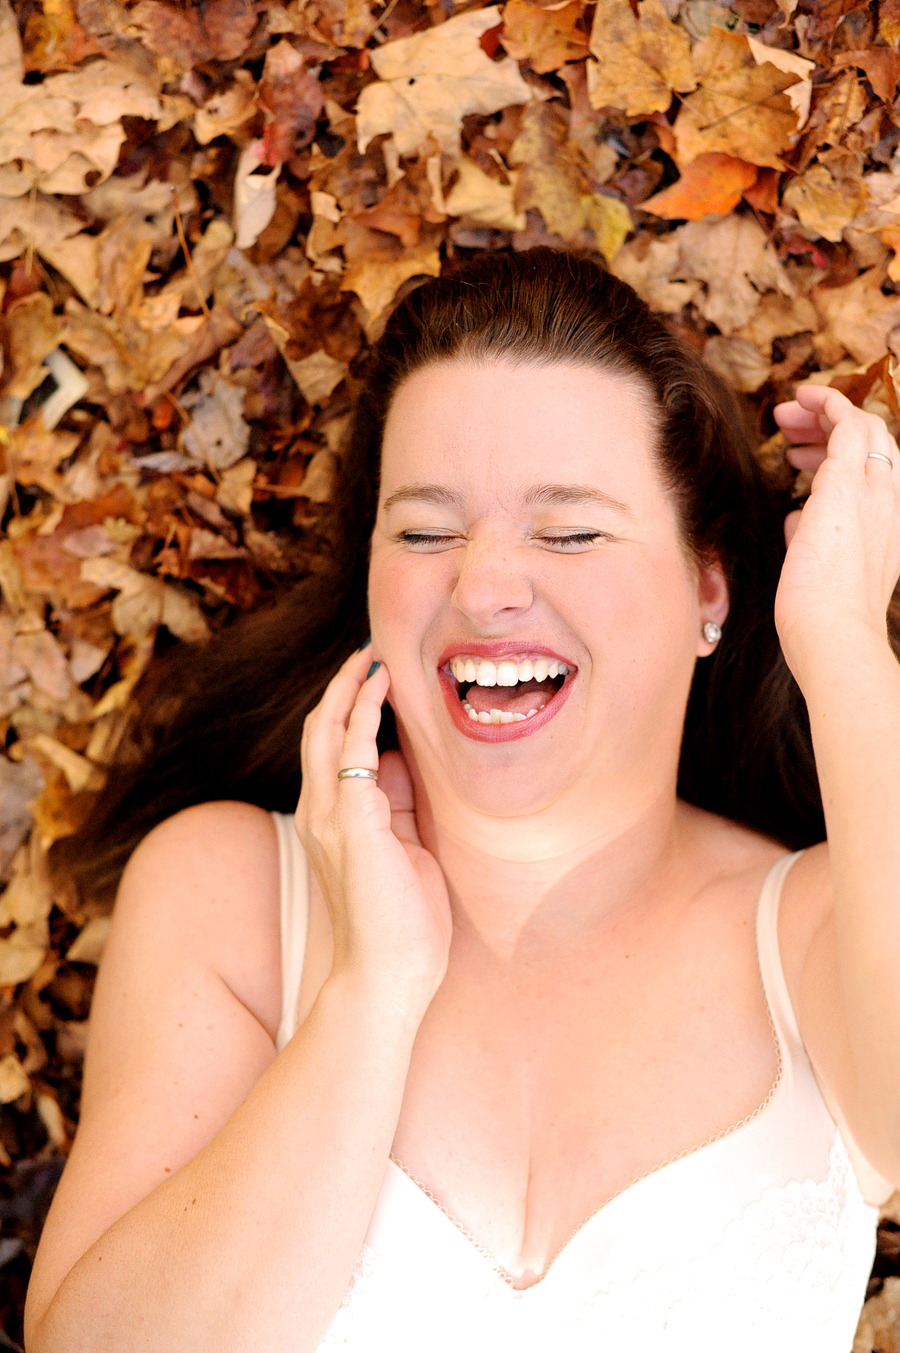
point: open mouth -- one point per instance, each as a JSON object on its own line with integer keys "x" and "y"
{"x": 517, "y": 693}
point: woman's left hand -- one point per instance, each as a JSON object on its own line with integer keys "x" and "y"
{"x": 843, "y": 557}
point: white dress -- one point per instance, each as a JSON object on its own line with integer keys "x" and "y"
{"x": 760, "y": 1240}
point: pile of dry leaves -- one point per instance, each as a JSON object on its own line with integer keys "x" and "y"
{"x": 205, "y": 212}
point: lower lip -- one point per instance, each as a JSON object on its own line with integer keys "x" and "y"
{"x": 500, "y": 732}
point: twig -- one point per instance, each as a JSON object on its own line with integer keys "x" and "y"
{"x": 187, "y": 258}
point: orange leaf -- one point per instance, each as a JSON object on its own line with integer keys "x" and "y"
{"x": 763, "y": 194}
{"x": 710, "y": 185}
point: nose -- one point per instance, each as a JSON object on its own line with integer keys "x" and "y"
{"x": 493, "y": 582}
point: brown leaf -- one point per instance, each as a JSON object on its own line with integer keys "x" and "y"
{"x": 763, "y": 194}
{"x": 710, "y": 185}
{"x": 741, "y": 108}
{"x": 228, "y": 25}
{"x": 889, "y": 22}
{"x": 173, "y": 32}
{"x": 550, "y": 178}
{"x": 640, "y": 59}
{"x": 292, "y": 98}
{"x": 881, "y": 66}
{"x": 858, "y": 316}
{"x": 825, "y": 205}
{"x": 547, "y": 37}
{"x": 54, "y": 39}
{"x": 34, "y": 331}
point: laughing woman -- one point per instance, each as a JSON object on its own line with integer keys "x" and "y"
{"x": 549, "y": 1020}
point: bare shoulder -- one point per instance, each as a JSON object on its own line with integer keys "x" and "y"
{"x": 183, "y": 1021}
{"x": 208, "y": 879}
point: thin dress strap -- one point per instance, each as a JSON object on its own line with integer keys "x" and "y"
{"x": 774, "y": 985}
{"x": 294, "y": 921}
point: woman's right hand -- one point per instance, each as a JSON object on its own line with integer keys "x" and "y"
{"x": 386, "y": 894}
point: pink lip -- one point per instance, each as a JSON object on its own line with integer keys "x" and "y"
{"x": 503, "y": 732}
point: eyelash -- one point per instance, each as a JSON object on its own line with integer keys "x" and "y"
{"x": 572, "y": 538}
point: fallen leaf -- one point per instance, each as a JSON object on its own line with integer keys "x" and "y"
{"x": 651, "y": 266}
{"x": 550, "y": 179}
{"x": 429, "y": 82}
{"x": 545, "y": 36}
{"x": 20, "y": 784}
{"x": 825, "y": 205}
{"x": 881, "y": 66}
{"x": 254, "y": 195}
{"x": 234, "y": 492}
{"x": 319, "y": 480}
{"x": 89, "y": 945}
{"x": 33, "y": 331}
{"x": 737, "y": 361}
{"x": 740, "y": 108}
{"x": 317, "y": 375}
{"x": 292, "y": 99}
{"x": 779, "y": 316}
{"x": 610, "y": 220}
{"x": 641, "y": 58}
{"x": 477, "y": 197}
{"x": 736, "y": 263}
{"x": 217, "y": 433}
{"x": 858, "y": 316}
{"x": 54, "y": 39}
{"x": 227, "y": 110}
{"x": 713, "y": 184}
{"x": 13, "y": 1079}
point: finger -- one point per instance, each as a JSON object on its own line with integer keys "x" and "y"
{"x": 791, "y": 522}
{"x": 395, "y": 780}
{"x": 326, "y": 726}
{"x": 799, "y": 424}
{"x": 359, "y": 746}
{"x": 805, "y": 457}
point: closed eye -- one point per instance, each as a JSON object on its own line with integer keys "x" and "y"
{"x": 575, "y": 538}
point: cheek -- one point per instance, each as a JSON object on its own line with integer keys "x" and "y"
{"x": 405, "y": 593}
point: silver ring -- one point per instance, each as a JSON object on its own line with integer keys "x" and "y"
{"x": 357, "y": 773}
{"x": 876, "y": 455}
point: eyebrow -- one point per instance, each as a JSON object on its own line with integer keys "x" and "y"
{"x": 540, "y": 495}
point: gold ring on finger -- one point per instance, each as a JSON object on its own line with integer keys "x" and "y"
{"x": 357, "y": 773}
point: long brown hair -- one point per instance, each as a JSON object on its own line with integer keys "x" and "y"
{"x": 223, "y": 721}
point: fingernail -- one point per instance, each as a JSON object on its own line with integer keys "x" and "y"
{"x": 365, "y": 643}
{"x": 373, "y": 669}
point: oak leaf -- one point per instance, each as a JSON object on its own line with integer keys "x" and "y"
{"x": 547, "y": 36}
{"x": 710, "y": 185}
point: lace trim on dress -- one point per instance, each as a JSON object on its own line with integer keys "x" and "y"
{"x": 510, "y": 1278}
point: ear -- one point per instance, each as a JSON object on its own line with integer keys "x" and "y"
{"x": 712, "y": 596}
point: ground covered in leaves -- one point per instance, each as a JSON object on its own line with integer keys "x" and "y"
{"x": 205, "y": 212}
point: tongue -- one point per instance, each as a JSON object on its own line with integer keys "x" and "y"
{"x": 519, "y": 699}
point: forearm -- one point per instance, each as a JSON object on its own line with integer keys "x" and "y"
{"x": 853, "y": 697}
{"x": 251, "y": 1245}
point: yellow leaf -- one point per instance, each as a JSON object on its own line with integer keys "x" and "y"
{"x": 547, "y": 37}
{"x": 610, "y": 220}
{"x": 550, "y": 180}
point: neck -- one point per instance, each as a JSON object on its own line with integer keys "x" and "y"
{"x": 542, "y": 881}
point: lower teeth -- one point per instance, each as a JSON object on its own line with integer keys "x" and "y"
{"x": 495, "y": 715}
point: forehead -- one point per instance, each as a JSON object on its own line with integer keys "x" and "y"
{"x": 503, "y": 424}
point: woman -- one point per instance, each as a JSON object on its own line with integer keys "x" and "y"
{"x": 544, "y": 974}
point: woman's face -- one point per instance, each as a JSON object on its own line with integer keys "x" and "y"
{"x": 527, "y": 559}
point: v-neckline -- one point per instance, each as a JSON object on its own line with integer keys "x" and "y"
{"x": 782, "y": 1053}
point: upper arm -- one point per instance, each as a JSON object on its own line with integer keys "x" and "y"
{"x": 808, "y": 944}
{"x": 182, "y": 1023}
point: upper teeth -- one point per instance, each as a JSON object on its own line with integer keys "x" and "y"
{"x": 505, "y": 673}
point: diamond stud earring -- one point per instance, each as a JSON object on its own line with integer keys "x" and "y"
{"x": 712, "y": 632}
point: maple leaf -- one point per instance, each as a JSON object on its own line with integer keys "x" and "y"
{"x": 429, "y": 82}
{"x": 545, "y": 36}
{"x": 640, "y": 59}
{"x": 740, "y": 107}
{"x": 710, "y": 185}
